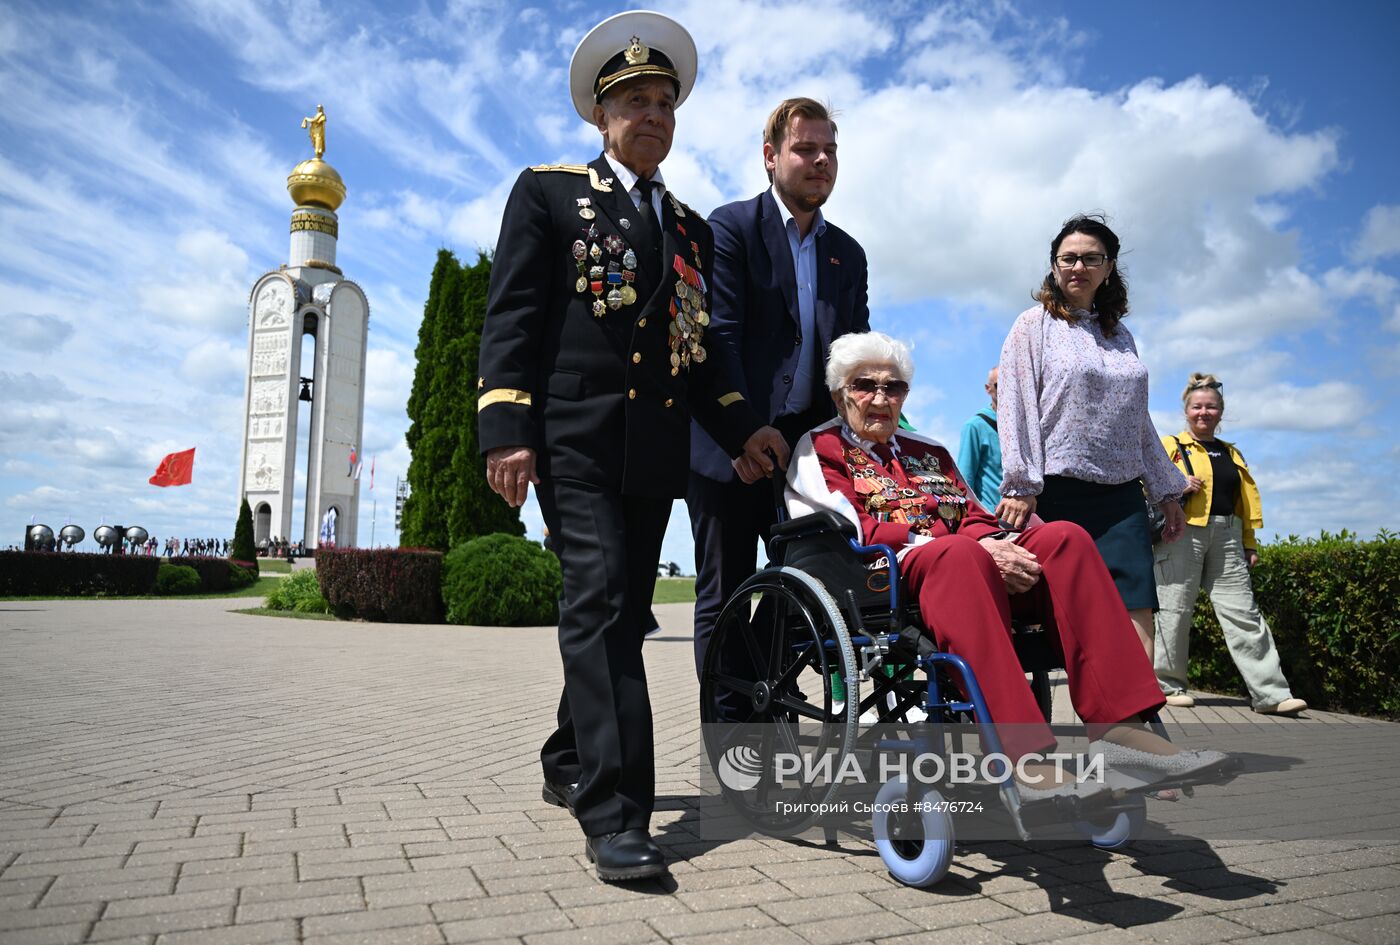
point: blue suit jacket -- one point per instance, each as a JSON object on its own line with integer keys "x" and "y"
{"x": 754, "y": 287}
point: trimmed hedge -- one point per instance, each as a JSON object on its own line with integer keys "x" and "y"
{"x": 175, "y": 579}
{"x": 501, "y": 581}
{"x": 1333, "y": 603}
{"x": 34, "y": 573}
{"x": 394, "y": 585}
{"x": 215, "y": 574}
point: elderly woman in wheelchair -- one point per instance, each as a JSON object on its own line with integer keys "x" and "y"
{"x": 969, "y": 576}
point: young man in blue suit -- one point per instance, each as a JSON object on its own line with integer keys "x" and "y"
{"x": 786, "y": 283}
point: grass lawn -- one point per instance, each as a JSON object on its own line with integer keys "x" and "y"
{"x": 261, "y": 588}
{"x": 680, "y": 590}
{"x": 274, "y": 565}
{"x": 269, "y": 612}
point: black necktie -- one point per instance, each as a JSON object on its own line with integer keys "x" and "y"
{"x": 648, "y": 237}
{"x": 885, "y": 452}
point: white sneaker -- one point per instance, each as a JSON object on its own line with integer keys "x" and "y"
{"x": 1286, "y": 707}
{"x": 1179, "y": 700}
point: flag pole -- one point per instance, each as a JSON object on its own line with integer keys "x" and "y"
{"x": 373, "y": 513}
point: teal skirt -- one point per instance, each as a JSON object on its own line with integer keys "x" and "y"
{"x": 1116, "y": 518}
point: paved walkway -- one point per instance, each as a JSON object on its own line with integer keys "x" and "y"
{"x": 173, "y": 773}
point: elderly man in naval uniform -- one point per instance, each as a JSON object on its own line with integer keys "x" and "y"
{"x": 594, "y": 359}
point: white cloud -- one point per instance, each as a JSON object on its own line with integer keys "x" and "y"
{"x": 41, "y": 334}
{"x": 1380, "y": 234}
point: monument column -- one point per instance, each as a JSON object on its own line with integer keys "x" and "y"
{"x": 307, "y": 301}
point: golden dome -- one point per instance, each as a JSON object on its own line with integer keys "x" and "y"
{"x": 315, "y": 183}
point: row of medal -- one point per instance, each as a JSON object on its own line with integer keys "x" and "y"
{"x": 688, "y": 316}
{"x": 610, "y": 281}
{"x": 887, "y": 501}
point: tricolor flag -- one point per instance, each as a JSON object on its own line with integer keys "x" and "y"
{"x": 371, "y": 472}
{"x": 176, "y": 469}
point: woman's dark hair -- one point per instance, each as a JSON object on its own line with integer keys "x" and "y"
{"x": 1111, "y": 299}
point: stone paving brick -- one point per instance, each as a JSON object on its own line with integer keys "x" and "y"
{"x": 300, "y": 907}
{"x": 1279, "y": 917}
{"x": 1307, "y": 937}
{"x": 1377, "y": 930}
{"x": 683, "y": 923}
{"x": 1042, "y": 928}
{"x": 855, "y": 928}
{"x": 765, "y": 936}
{"x": 369, "y": 921}
{"x": 238, "y": 879}
{"x": 76, "y": 914}
{"x": 1194, "y": 930}
{"x": 493, "y": 906}
{"x": 513, "y": 924}
{"x": 620, "y": 933}
{"x": 42, "y": 868}
{"x": 1358, "y": 905}
{"x": 177, "y": 902}
{"x": 410, "y": 888}
{"x": 246, "y": 933}
{"x": 155, "y": 923}
{"x": 426, "y": 934}
{"x": 47, "y": 935}
{"x": 274, "y": 892}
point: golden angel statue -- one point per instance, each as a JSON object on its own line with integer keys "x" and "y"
{"x": 317, "y": 126}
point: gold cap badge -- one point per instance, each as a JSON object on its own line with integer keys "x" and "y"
{"x": 637, "y": 52}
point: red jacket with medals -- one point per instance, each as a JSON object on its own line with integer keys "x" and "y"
{"x": 915, "y": 496}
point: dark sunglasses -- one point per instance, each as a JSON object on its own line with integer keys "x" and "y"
{"x": 867, "y": 387}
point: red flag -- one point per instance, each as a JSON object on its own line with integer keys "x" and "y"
{"x": 177, "y": 469}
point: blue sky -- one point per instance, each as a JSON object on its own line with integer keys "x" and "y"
{"x": 1244, "y": 152}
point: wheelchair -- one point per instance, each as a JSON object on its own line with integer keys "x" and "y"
{"x": 817, "y": 639}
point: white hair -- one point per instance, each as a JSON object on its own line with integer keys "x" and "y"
{"x": 850, "y": 353}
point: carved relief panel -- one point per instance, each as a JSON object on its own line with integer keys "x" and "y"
{"x": 273, "y": 308}
{"x": 270, "y": 351}
{"x": 264, "y": 467}
{"x": 269, "y": 396}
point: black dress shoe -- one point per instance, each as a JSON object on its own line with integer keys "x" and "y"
{"x": 630, "y": 854}
{"x": 560, "y": 795}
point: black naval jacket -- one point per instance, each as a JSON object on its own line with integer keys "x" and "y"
{"x": 603, "y": 400}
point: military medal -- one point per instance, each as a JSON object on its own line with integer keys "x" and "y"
{"x": 584, "y": 210}
{"x": 613, "y": 244}
{"x": 629, "y": 259}
{"x": 625, "y": 223}
{"x": 581, "y": 285}
{"x": 595, "y": 252}
{"x": 629, "y": 295}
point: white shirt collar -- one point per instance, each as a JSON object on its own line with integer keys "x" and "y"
{"x": 628, "y": 178}
{"x": 818, "y": 222}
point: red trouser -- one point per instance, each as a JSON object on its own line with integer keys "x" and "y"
{"x": 964, "y": 602}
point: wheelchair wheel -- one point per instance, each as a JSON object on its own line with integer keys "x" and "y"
{"x": 1118, "y": 827}
{"x": 765, "y": 699}
{"x": 913, "y": 834}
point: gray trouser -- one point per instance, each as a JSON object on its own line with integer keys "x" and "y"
{"x": 1213, "y": 556}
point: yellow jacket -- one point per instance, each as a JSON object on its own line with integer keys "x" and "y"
{"x": 1247, "y": 506}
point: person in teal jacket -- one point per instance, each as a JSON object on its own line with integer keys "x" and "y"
{"x": 979, "y": 450}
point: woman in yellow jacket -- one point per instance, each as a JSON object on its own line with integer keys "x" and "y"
{"x": 1217, "y": 551}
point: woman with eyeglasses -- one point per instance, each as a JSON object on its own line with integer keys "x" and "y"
{"x": 1217, "y": 551}
{"x": 1077, "y": 443}
{"x": 902, "y": 490}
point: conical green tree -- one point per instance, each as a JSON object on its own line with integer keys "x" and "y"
{"x": 449, "y": 502}
{"x": 243, "y": 549}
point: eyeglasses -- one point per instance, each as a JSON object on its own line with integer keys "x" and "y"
{"x": 894, "y": 390}
{"x": 1203, "y": 385}
{"x": 1090, "y": 260}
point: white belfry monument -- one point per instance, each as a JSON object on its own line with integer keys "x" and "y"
{"x": 306, "y": 302}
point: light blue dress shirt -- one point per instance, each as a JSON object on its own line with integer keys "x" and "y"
{"x": 804, "y": 263}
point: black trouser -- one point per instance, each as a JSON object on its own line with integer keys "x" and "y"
{"x": 608, "y": 546}
{"x": 727, "y": 519}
